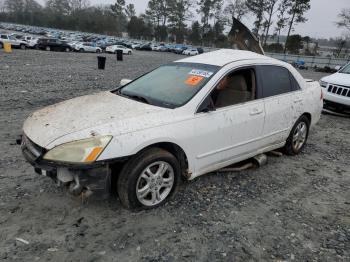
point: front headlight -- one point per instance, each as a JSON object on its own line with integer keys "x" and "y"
{"x": 81, "y": 151}
{"x": 323, "y": 83}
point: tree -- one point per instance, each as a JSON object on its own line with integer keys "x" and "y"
{"x": 179, "y": 12}
{"x": 282, "y": 20}
{"x": 296, "y": 12}
{"x": 77, "y": 5}
{"x": 257, "y": 7}
{"x": 207, "y": 9}
{"x": 294, "y": 44}
{"x": 158, "y": 12}
{"x": 344, "y": 17}
{"x": 130, "y": 11}
{"x": 270, "y": 9}
{"x": 340, "y": 44}
{"x": 236, "y": 9}
{"x": 195, "y": 34}
{"x": 118, "y": 11}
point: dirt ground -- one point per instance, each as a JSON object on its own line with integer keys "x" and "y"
{"x": 292, "y": 209}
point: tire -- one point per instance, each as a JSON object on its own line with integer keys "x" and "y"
{"x": 1, "y": 45}
{"x": 23, "y": 47}
{"x": 134, "y": 177}
{"x": 129, "y": 53}
{"x": 98, "y": 51}
{"x": 48, "y": 48}
{"x": 298, "y": 136}
{"x": 67, "y": 49}
{"x": 81, "y": 50}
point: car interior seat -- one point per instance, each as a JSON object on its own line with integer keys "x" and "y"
{"x": 236, "y": 92}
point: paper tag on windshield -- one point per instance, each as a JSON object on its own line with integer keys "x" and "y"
{"x": 203, "y": 73}
{"x": 193, "y": 80}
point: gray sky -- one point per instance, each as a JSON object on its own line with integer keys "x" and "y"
{"x": 320, "y": 22}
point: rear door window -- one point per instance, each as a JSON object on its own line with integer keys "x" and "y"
{"x": 275, "y": 80}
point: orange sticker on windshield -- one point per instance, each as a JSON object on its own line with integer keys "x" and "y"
{"x": 193, "y": 80}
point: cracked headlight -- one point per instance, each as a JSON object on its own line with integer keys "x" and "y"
{"x": 81, "y": 151}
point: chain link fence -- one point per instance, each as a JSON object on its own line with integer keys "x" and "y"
{"x": 311, "y": 61}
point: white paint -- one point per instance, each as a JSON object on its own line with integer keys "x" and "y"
{"x": 210, "y": 140}
{"x": 338, "y": 79}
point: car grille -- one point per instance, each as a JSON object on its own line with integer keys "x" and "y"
{"x": 339, "y": 90}
{"x": 33, "y": 148}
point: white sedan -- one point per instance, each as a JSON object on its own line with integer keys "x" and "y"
{"x": 87, "y": 47}
{"x": 191, "y": 51}
{"x": 115, "y": 48}
{"x": 181, "y": 120}
{"x": 337, "y": 89}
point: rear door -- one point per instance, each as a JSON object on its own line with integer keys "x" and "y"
{"x": 279, "y": 99}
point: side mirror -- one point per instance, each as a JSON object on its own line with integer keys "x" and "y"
{"x": 124, "y": 82}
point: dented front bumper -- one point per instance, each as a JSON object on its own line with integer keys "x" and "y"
{"x": 78, "y": 178}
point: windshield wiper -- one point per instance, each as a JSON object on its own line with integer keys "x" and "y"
{"x": 134, "y": 97}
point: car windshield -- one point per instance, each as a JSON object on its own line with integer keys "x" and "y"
{"x": 345, "y": 69}
{"x": 171, "y": 85}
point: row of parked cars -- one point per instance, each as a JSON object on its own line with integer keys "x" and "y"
{"x": 67, "y": 41}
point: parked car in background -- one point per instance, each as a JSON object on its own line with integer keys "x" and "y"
{"x": 181, "y": 49}
{"x": 33, "y": 43}
{"x": 145, "y": 47}
{"x": 115, "y": 48}
{"x": 53, "y": 44}
{"x": 337, "y": 89}
{"x": 16, "y": 43}
{"x": 87, "y": 47}
{"x": 181, "y": 120}
{"x": 191, "y": 51}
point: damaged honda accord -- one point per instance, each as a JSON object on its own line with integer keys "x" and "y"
{"x": 179, "y": 121}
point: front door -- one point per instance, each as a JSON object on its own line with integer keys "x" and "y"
{"x": 234, "y": 129}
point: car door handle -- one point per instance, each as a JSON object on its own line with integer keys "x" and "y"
{"x": 256, "y": 111}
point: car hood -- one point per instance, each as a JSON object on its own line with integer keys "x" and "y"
{"x": 81, "y": 113}
{"x": 338, "y": 79}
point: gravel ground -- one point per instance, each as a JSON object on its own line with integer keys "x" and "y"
{"x": 292, "y": 209}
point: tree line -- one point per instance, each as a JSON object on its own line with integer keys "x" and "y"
{"x": 163, "y": 20}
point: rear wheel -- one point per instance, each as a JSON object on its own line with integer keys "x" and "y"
{"x": 98, "y": 51}
{"x": 48, "y": 48}
{"x": 81, "y": 50}
{"x": 1, "y": 45}
{"x": 298, "y": 136}
{"x": 129, "y": 53}
{"x": 149, "y": 179}
{"x": 23, "y": 47}
{"x": 67, "y": 49}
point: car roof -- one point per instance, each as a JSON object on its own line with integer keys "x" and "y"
{"x": 223, "y": 56}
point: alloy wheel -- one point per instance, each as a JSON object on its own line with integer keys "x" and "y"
{"x": 155, "y": 183}
{"x": 299, "y": 136}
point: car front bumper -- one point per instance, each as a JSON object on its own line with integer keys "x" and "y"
{"x": 337, "y": 94}
{"x": 78, "y": 178}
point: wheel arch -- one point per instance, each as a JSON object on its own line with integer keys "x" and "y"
{"x": 308, "y": 115}
{"x": 170, "y": 147}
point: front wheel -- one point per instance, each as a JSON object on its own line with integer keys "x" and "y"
{"x": 48, "y": 48}
{"x": 298, "y": 136}
{"x": 129, "y": 53}
{"x": 149, "y": 179}
{"x": 23, "y": 47}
